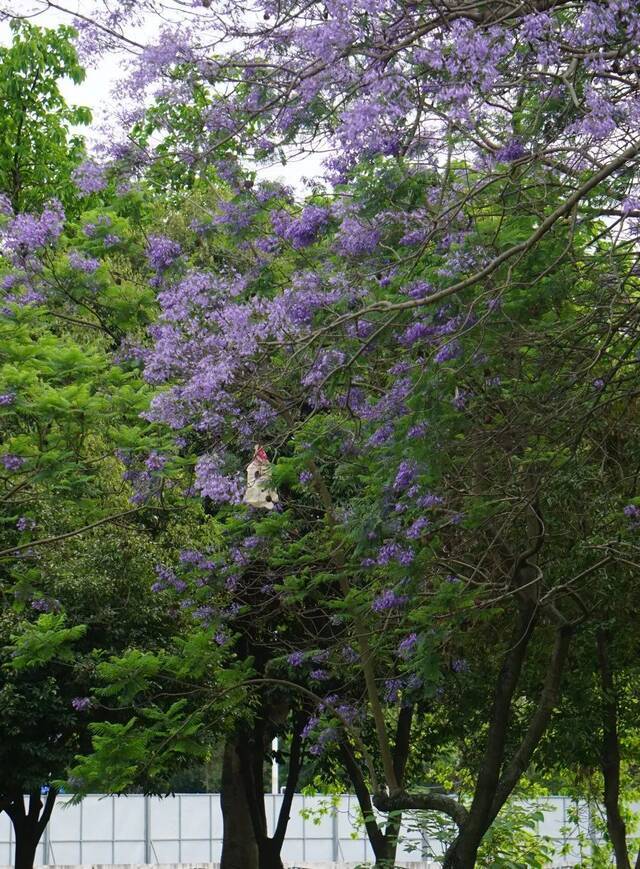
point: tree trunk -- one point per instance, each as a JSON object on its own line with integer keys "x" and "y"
{"x": 269, "y": 854}
{"x": 28, "y": 826}
{"x": 610, "y": 756}
{"x": 26, "y": 846}
{"x": 239, "y": 846}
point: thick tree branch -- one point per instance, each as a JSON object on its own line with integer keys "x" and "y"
{"x": 402, "y": 801}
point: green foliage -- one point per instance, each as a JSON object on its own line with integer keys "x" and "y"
{"x": 46, "y": 640}
{"x": 38, "y": 148}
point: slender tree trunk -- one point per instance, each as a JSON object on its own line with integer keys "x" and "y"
{"x": 239, "y": 846}
{"x": 28, "y": 826}
{"x": 610, "y": 755}
{"x": 463, "y": 851}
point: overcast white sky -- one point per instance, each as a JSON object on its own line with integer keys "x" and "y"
{"x": 96, "y": 90}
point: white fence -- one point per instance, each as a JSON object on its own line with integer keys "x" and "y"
{"x": 187, "y": 828}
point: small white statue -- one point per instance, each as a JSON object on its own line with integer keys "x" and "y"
{"x": 259, "y": 493}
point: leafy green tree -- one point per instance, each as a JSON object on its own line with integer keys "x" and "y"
{"x": 40, "y": 149}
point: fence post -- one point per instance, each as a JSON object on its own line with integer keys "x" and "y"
{"x": 335, "y": 833}
{"x": 147, "y": 830}
{"x": 45, "y": 845}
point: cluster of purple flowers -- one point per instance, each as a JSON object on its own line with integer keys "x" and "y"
{"x": 389, "y": 600}
{"x": 12, "y": 462}
{"x": 89, "y": 177}
{"x": 162, "y": 252}
{"x": 303, "y": 230}
{"x": 632, "y": 512}
{"x": 27, "y": 233}
{"x": 355, "y": 239}
{"x": 167, "y": 579}
{"x": 83, "y": 263}
{"x": 407, "y": 646}
{"x": 394, "y": 552}
{"x": 213, "y": 483}
{"x": 405, "y": 475}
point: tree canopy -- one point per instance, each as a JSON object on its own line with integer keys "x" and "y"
{"x": 431, "y": 352}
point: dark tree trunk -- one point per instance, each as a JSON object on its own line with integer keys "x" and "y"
{"x": 245, "y": 757}
{"x": 26, "y": 846}
{"x": 239, "y": 846}
{"x": 610, "y": 756}
{"x": 269, "y": 854}
{"x": 28, "y": 826}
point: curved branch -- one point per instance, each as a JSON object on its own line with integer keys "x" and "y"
{"x": 402, "y": 801}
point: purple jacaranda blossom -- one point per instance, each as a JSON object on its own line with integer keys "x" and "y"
{"x": 111, "y": 239}
{"x": 513, "y": 150}
{"x": 162, "y": 252}
{"x": 319, "y": 675}
{"x": 407, "y": 646}
{"x": 89, "y": 177}
{"x": 82, "y": 263}
{"x": 381, "y": 435}
{"x": 213, "y": 483}
{"x": 388, "y": 600}
{"x": 323, "y": 365}
{"x": 305, "y": 477}
{"x": 167, "y": 578}
{"x": 632, "y": 512}
{"x": 429, "y": 500}
{"x": 405, "y": 475}
{"x": 190, "y": 556}
{"x": 13, "y": 280}
{"x": 598, "y": 384}
{"x": 303, "y": 230}
{"x": 81, "y": 704}
{"x": 459, "y": 665}
{"x": 417, "y": 431}
{"x": 449, "y": 351}
{"x": 459, "y": 400}
{"x": 310, "y": 726}
{"x": 25, "y": 523}
{"x": 155, "y": 461}
{"x": 394, "y": 552}
{"x": 295, "y": 659}
{"x": 27, "y": 233}
{"x": 12, "y": 462}
{"x": 413, "y": 682}
{"x": 41, "y": 605}
{"x": 346, "y": 713}
{"x": 7, "y": 398}
{"x": 356, "y": 239}
{"x": 392, "y": 688}
{"x": 415, "y": 530}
